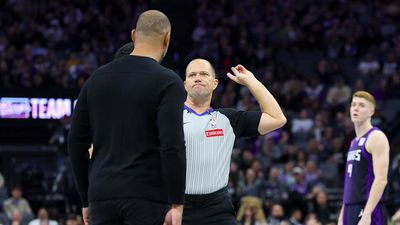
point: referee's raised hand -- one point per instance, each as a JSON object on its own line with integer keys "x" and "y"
{"x": 241, "y": 75}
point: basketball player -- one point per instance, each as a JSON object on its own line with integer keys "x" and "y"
{"x": 210, "y": 135}
{"x": 366, "y": 167}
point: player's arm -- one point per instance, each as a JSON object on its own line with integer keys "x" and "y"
{"x": 272, "y": 116}
{"x": 378, "y": 146}
{"x": 340, "y": 219}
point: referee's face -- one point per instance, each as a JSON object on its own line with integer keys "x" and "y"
{"x": 200, "y": 79}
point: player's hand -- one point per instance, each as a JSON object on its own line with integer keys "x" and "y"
{"x": 85, "y": 215}
{"x": 365, "y": 220}
{"x": 174, "y": 215}
{"x": 340, "y": 219}
{"x": 241, "y": 75}
{"x": 90, "y": 151}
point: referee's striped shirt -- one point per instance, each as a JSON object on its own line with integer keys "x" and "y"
{"x": 209, "y": 141}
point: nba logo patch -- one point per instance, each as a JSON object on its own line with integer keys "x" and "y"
{"x": 213, "y": 123}
{"x": 361, "y": 141}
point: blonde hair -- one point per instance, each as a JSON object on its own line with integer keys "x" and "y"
{"x": 255, "y": 204}
{"x": 365, "y": 95}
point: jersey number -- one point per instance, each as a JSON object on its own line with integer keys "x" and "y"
{"x": 350, "y": 169}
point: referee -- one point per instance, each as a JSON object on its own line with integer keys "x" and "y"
{"x": 209, "y": 137}
{"x": 131, "y": 110}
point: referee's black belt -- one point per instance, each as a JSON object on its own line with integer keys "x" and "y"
{"x": 221, "y": 193}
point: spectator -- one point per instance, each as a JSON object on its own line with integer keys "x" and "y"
{"x": 389, "y": 65}
{"x": 73, "y": 220}
{"x": 43, "y": 218}
{"x": 16, "y": 218}
{"x": 250, "y": 212}
{"x": 296, "y": 217}
{"x": 301, "y": 128}
{"x": 277, "y": 215}
{"x": 252, "y": 184}
{"x": 273, "y": 190}
{"x": 321, "y": 208}
{"x": 311, "y": 173}
{"x": 299, "y": 189}
{"x": 18, "y": 205}
{"x": 3, "y": 190}
{"x": 369, "y": 65}
{"x": 315, "y": 89}
{"x": 338, "y": 94}
{"x": 312, "y": 219}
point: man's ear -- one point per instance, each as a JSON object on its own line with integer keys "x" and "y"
{"x": 215, "y": 84}
{"x": 133, "y": 35}
{"x": 167, "y": 38}
{"x": 372, "y": 112}
{"x": 184, "y": 85}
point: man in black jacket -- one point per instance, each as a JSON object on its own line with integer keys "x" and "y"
{"x": 131, "y": 110}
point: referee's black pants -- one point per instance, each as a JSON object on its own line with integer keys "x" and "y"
{"x": 127, "y": 211}
{"x": 210, "y": 209}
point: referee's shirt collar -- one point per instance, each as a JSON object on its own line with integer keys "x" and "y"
{"x": 208, "y": 111}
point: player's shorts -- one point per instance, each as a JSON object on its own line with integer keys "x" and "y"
{"x": 352, "y": 214}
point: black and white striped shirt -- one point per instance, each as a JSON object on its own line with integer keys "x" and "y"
{"x": 209, "y": 141}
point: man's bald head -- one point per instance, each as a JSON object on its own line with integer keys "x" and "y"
{"x": 152, "y": 24}
{"x": 152, "y": 35}
{"x": 201, "y": 63}
{"x": 200, "y": 81}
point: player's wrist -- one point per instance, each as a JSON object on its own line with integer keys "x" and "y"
{"x": 367, "y": 213}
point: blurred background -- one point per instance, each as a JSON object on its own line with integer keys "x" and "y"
{"x": 311, "y": 54}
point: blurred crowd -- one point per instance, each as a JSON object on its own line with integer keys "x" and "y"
{"x": 312, "y": 55}
{"x": 16, "y": 210}
{"x": 60, "y": 43}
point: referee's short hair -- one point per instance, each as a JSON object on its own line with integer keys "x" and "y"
{"x": 204, "y": 60}
{"x": 126, "y": 49}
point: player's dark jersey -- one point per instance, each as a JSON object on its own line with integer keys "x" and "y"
{"x": 359, "y": 173}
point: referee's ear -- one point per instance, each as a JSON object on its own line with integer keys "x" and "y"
{"x": 216, "y": 82}
{"x": 184, "y": 84}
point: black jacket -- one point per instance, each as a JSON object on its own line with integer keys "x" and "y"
{"x": 131, "y": 110}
